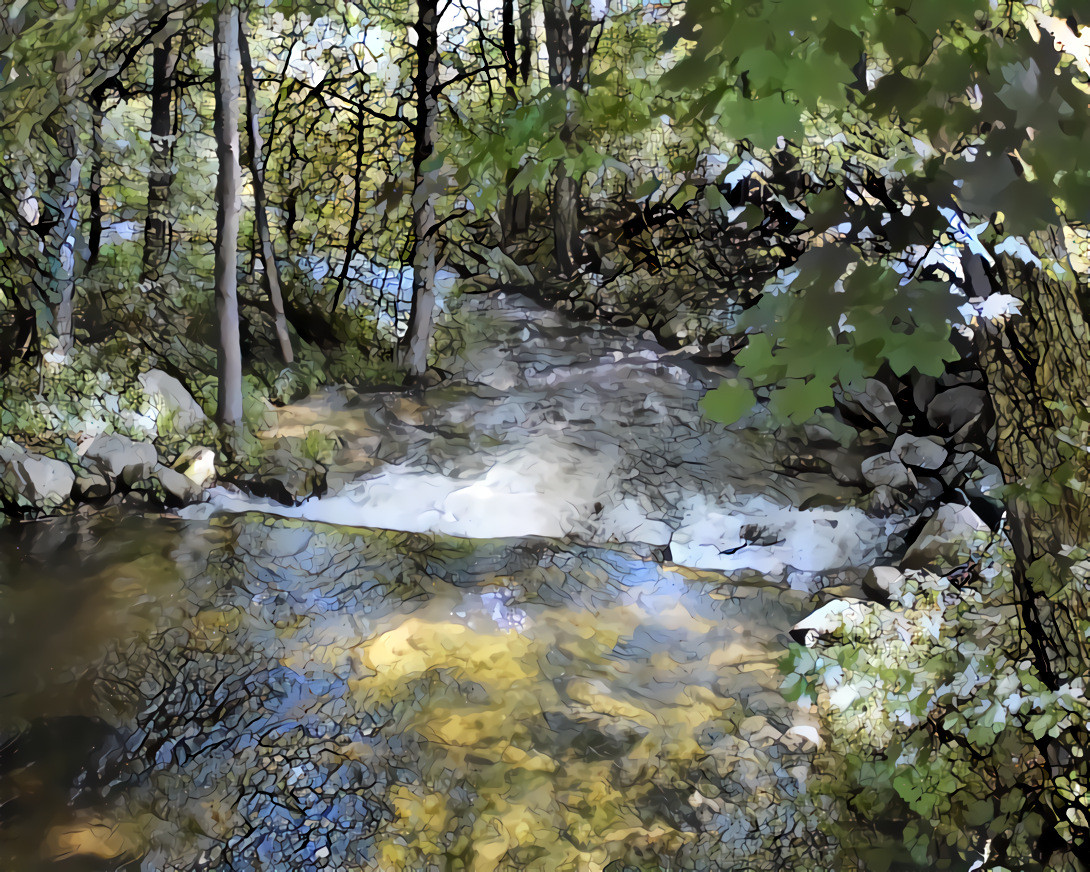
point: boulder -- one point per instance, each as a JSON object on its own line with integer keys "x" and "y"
{"x": 921, "y": 452}
{"x": 828, "y": 619}
{"x": 92, "y": 486}
{"x": 883, "y": 583}
{"x": 923, "y": 391}
{"x": 170, "y": 396}
{"x": 953, "y": 409}
{"x": 949, "y": 534}
{"x": 874, "y": 401}
{"x": 178, "y": 488}
{"x": 198, "y": 464}
{"x": 965, "y": 377}
{"x": 119, "y": 458}
{"x": 286, "y": 477}
{"x": 32, "y": 480}
{"x": 882, "y": 469}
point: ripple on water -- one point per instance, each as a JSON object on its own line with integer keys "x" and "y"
{"x": 294, "y": 695}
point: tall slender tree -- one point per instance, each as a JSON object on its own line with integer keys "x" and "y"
{"x": 161, "y": 175}
{"x": 256, "y": 159}
{"x": 427, "y": 185}
{"x": 569, "y": 29}
{"x": 225, "y": 41}
{"x": 62, "y": 200}
{"x": 517, "y": 52}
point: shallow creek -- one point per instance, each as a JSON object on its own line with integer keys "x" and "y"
{"x": 518, "y": 633}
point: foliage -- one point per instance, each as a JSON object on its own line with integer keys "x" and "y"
{"x": 935, "y": 726}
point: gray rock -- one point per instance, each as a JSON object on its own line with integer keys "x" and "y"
{"x": 170, "y": 396}
{"x": 198, "y": 464}
{"x": 953, "y": 409}
{"x": 922, "y": 452}
{"x": 986, "y": 477}
{"x": 968, "y": 377}
{"x": 947, "y": 537}
{"x": 179, "y": 489}
{"x": 883, "y": 583}
{"x": 828, "y": 619}
{"x": 923, "y": 391}
{"x": 33, "y": 480}
{"x": 92, "y": 485}
{"x": 874, "y": 401}
{"x": 119, "y": 458}
{"x": 882, "y": 469}
{"x": 884, "y": 499}
{"x": 288, "y": 477}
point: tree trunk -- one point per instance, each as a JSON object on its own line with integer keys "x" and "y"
{"x": 1037, "y": 366}
{"x": 261, "y": 219}
{"x": 64, "y": 220}
{"x": 1038, "y": 370}
{"x": 426, "y": 186}
{"x": 567, "y": 34}
{"x": 228, "y": 207}
{"x": 350, "y": 244}
{"x": 94, "y": 234}
{"x": 157, "y": 226}
{"x": 515, "y": 218}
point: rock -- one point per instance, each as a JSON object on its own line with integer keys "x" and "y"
{"x": 874, "y": 401}
{"x": 119, "y": 458}
{"x": 828, "y": 619}
{"x": 32, "y": 480}
{"x": 986, "y": 477}
{"x": 923, "y": 391}
{"x": 179, "y": 489}
{"x": 922, "y": 452}
{"x": 967, "y": 377}
{"x": 929, "y": 491}
{"x": 92, "y": 486}
{"x": 287, "y": 477}
{"x": 953, "y": 409}
{"x": 198, "y": 464}
{"x": 884, "y": 499}
{"x": 949, "y": 534}
{"x": 171, "y": 397}
{"x": 882, "y": 469}
{"x": 883, "y": 583}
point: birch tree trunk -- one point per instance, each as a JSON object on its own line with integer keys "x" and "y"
{"x": 228, "y": 207}
{"x": 256, "y": 157}
{"x": 427, "y": 181}
{"x": 64, "y": 220}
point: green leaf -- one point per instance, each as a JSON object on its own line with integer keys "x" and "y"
{"x": 728, "y": 402}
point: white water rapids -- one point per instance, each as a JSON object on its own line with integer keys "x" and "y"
{"x": 562, "y": 430}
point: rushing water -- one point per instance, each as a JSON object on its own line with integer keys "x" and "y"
{"x": 514, "y": 679}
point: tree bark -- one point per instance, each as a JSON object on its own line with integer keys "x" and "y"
{"x": 350, "y": 244}
{"x": 1037, "y": 366}
{"x": 228, "y": 207}
{"x": 515, "y": 218}
{"x": 256, "y": 157}
{"x": 157, "y": 225}
{"x": 567, "y": 32}
{"x": 426, "y": 186}
{"x": 94, "y": 234}
{"x": 64, "y": 220}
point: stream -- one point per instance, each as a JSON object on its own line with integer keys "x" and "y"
{"x": 534, "y": 624}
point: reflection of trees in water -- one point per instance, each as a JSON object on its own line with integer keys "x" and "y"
{"x": 259, "y": 726}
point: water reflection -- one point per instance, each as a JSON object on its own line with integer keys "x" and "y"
{"x": 252, "y": 693}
